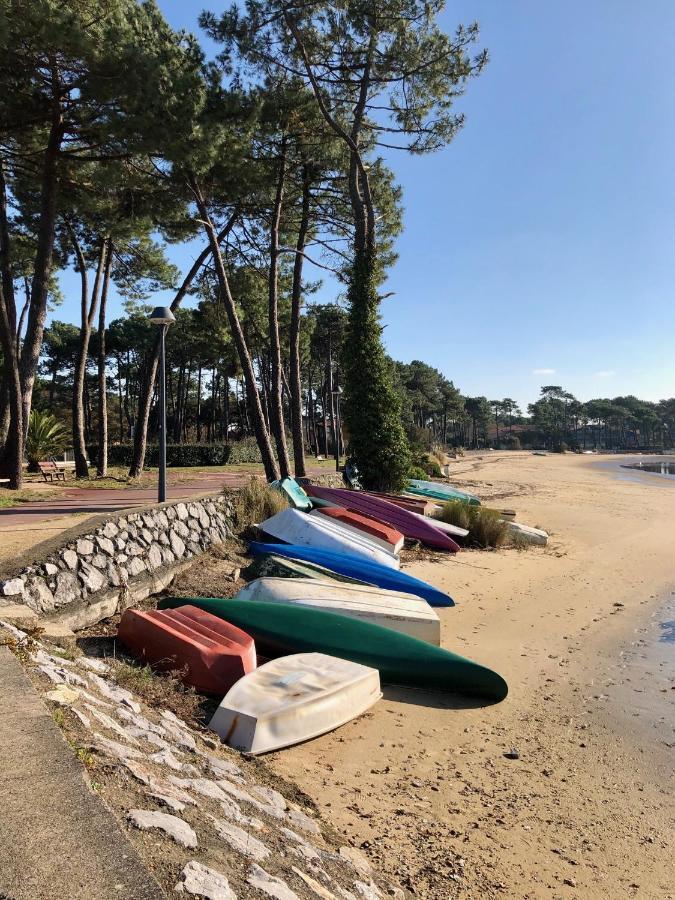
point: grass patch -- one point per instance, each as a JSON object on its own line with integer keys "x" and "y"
{"x": 485, "y": 528}
{"x": 165, "y": 689}
{"x": 256, "y": 502}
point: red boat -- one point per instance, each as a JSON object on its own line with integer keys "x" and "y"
{"x": 210, "y": 653}
{"x": 384, "y": 511}
{"x": 384, "y": 534}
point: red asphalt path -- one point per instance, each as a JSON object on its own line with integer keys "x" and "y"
{"x": 102, "y": 500}
{"x": 92, "y": 500}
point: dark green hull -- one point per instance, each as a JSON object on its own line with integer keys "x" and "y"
{"x": 399, "y": 658}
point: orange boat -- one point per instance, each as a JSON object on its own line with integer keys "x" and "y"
{"x": 210, "y": 654}
{"x": 386, "y": 535}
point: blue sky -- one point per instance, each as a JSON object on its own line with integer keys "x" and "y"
{"x": 539, "y": 247}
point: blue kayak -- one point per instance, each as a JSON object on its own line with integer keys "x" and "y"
{"x": 360, "y": 569}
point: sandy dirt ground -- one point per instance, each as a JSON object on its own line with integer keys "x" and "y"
{"x": 422, "y": 783}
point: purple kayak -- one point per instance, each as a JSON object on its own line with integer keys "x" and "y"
{"x": 384, "y": 511}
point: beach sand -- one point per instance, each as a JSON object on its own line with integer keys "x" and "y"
{"x": 422, "y": 784}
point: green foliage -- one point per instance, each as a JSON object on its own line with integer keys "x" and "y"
{"x": 511, "y": 442}
{"x": 427, "y": 465}
{"x": 179, "y": 455}
{"x": 372, "y": 410}
{"x": 46, "y": 437}
{"x": 417, "y": 472}
{"x": 245, "y": 450}
{"x": 486, "y": 530}
{"x": 256, "y": 502}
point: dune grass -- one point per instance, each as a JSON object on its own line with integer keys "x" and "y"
{"x": 256, "y": 502}
{"x": 485, "y": 528}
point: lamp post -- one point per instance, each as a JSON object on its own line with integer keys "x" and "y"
{"x": 163, "y": 317}
{"x": 336, "y": 426}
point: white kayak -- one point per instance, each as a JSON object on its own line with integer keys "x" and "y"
{"x": 292, "y": 699}
{"x": 401, "y": 612}
{"x": 453, "y": 530}
{"x": 527, "y": 533}
{"x": 322, "y": 533}
{"x": 382, "y": 539}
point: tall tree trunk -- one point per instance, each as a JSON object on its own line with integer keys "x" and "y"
{"x": 102, "y": 462}
{"x": 87, "y": 312}
{"x": 261, "y": 432}
{"x": 30, "y": 351}
{"x": 12, "y": 451}
{"x": 276, "y": 401}
{"x": 150, "y": 375}
{"x": 294, "y": 348}
{"x": 199, "y": 405}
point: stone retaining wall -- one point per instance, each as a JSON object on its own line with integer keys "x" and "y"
{"x": 124, "y": 552}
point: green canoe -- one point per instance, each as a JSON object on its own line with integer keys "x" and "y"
{"x": 399, "y": 658}
{"x": 439, "y": 491}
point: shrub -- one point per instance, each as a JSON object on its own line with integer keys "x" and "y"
{"x": 484, "y": 525}
{"x": 560, "y": 447}
{"x": 256, "y": 502}
{"x": 511, "y": 442}
{"x": 417, "y": 472}
{"x": 176, "y": 454}
{"x": 246, "y": 450}
{"x": 46, "y": 437}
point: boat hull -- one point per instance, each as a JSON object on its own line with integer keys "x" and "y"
{"x": 384, "y": 535}
{"x": 210, "y": 654}
{"x": 281, "y": 629}
{"x": 409, "y": 525}
{"x": 439, "y": 491}
{"x": 358, "y": 569}
{"x": 321, "y": 533}
{"x": 293, "y": 699}
{"x": 401, "y": 612}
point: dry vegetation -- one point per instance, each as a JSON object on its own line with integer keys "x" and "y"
{"x": 256, "y": 502}
{"x": 485, "y": 527}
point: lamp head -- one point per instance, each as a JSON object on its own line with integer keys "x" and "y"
{"x": 162, "y": 315}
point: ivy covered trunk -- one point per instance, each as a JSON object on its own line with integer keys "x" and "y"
{"x": 372, "y": 412}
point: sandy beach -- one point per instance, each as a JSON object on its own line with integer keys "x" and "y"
{"x": 422, "y": 783}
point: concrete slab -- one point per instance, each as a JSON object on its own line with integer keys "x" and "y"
{"x": 59, "y": 841}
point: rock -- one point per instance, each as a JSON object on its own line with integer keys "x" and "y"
{"x": 13, "y": 587}
{"x": 163, "y": 539}
{"x": 167, "y": 556}
{"x": 300, "y": 820}
{"x": 240, "y": 840}
{"x": 63, "y": 695}
{"x": 121, "y": 558}
{"x": 204, "y": 520}
{"x": 176, "y": 828}
{"x": 181, "y": 529}
{"x": 50, "y": 569}
{"x": 136, "y": 566}
{"x": 357, "y": 859}
{"x": 194, "y": 548}
{"x": 117, "y": 577}
{"x": 204, "y": 882}
{"x": 167, "y": 758}
{"x": 106, "y": 545}
{"x": 154, "y": 557}
{"x": 121, "y": 543}
{"x": 181, "y": 511}
{"x": 193, "y": 510}
{"x": 268, "y": 794}
{"x": 93, "y": 664}
{"x": 369, "y": 891}
{"x": 134, "y": 549}
{"x": 84, "y": 547}
{"x": 148, "y": 520}
{"x": 59, "y": 634}
{"x": 67, "y": 589}
{"x": 162, "y": 519}
{"x": 194, "y": 537}
{"x": 115, "y": 693}
{"x": 99, "y": 560}
{"x": 170, "y": 513}
{"x": 177, "y": 545}
{"x": 91, "y": 578}
{"x": 268, "y": 884}
{"x": 223, "y": 767}
{"x": 512, "y": 754}
{"x": 18, "y": 615}
{"x": 109, "y": 530}
{"x": 318, "y": 889}
{"x": 38, "y": 595}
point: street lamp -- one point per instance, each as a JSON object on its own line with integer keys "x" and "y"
{"x": 336, "y": 397}
{"x": 163, "y": 317}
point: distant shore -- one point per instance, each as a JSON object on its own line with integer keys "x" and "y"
{"x": 422, "y": 783}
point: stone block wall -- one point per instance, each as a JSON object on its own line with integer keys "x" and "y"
{"x": 124, "y": 550}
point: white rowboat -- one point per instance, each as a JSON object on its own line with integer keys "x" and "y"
{"x": 527, "y": 533}
{"x": 322, "y": 533}
{"x": 452, "y": 530}
{"x": 292, "y": 699}
{"x": 401, "y": 612}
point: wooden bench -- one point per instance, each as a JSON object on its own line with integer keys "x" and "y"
{"x": 51, "y": 471}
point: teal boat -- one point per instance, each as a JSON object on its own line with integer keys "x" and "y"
{"x": 280, "y": 629}
{"x": 295, "y": 495}
{"x": 437, "y": 491}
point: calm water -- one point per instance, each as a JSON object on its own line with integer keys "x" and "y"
{"x": 665, "y": 467}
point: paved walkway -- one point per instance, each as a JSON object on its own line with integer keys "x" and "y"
{"x": 59, "y": 841}
{"x": 100, "y": 500}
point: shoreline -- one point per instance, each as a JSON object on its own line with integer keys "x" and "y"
{"x": 426, "y": 790}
